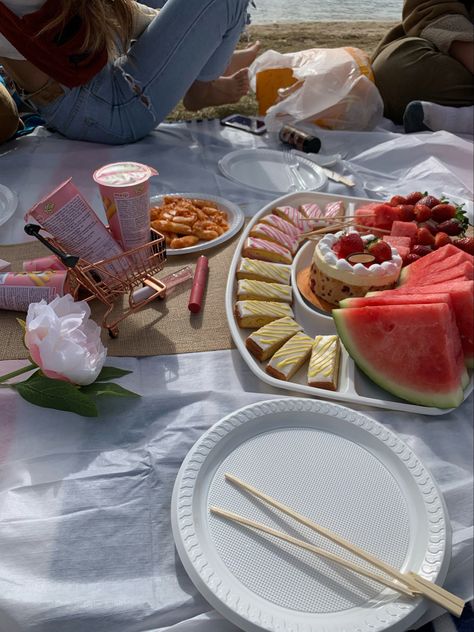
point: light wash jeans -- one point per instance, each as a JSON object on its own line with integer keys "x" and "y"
{"x": 189, "y": 40}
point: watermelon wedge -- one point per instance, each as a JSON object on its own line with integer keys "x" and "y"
{"x": 410, "y": 273}
{"x": 405, "y": 229}
{"x": 413, "y": 351}
{"x": 462, "y": 300}
{"x": 434, "y": 257}
{"x": 464, "y": 272}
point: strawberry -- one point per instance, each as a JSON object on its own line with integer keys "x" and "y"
{"x": 413, "y": 198}
{"x": 348, "y": 245}
{"x": 451, "y": 227}
{"x": 411, "y": 258}
{"x": 429, "y": 200}
{"x": 466, "y": 244}
{"x": 397, "y": 199}
{"x": 422, "y": 212}
{"x": 441, "y": 239}
{"x": 405, "y": 212}
{"x": 421, "y": 250}
{"x": 431, "y": 226}
{"x": 380, "y": 250}
{"x": 442, "y": 212}
{"x": 424, "y": 237}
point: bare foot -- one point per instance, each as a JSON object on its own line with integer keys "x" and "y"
{"x": 221, "y": 91}
{"x": 242, "y": 58}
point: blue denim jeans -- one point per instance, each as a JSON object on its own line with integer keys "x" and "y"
{"x": 189, "y": 40}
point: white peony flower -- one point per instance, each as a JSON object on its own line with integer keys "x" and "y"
{"x": 63, "y": 341}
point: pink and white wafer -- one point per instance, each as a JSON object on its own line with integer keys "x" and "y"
{"x": 294, "y": 216}
{"x": 255, "y": 248}
{"x": 264, "y": 231}
{"x": 335, "y": 209}
{"x": 281, "y": 224}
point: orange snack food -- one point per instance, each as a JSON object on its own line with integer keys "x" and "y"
{"x": 184, "y": 222}
{"x": 269, "y": 81}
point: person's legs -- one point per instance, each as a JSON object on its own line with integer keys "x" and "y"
{"x": 413, "y": 69}
{"x": 189, "y": 41}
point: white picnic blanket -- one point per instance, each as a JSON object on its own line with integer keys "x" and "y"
{"x": 85, "y": 538}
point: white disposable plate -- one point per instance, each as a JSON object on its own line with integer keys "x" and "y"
{"x": 235, "y": 214}
{"x": 354, "y": 386}
{"x": 270, "y": 170}
{"x": 8, "y": 203}
{"x": 339, "y": 468}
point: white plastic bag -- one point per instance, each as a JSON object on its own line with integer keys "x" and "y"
{"x": 335, "y": 89}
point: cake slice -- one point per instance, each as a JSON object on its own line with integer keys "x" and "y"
{"x": 263, "y": 271}
{"x": 312, "y": 211}
{"x": 294, "y": 216}
{"x": 335, "y": 210}
{"x": 323, "y": 369}
{"x": 255, "y": 248}
{"x": 255, "y": 314}
{"x": 290, "y": 357}
{"x": 282, "y": 224}
{"x": 263, "y": 291}
{"x": 265, "y": 341}
{"x": 270, "y": 233}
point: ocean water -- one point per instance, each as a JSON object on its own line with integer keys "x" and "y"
{"x": 269, "y": 11}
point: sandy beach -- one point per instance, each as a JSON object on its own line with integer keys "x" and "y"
{"x": 287, "y": 37}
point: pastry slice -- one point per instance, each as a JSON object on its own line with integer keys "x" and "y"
{"x": 335, "y": 210}
{"x": 323, "y": 369}
{"x": 263, "y": 271}
{"x": 265, "y": 341}
{"x": 290, "y": 357}
{"x": 312, "y": 211}
{"x": 255, "y": 314}
{"x": 270, "y": 233}
{"x": 263, "y": 291}
{"x": 281, "y": 224}
{"x": 295, "y": 217}
{"x": 255, "y": 248}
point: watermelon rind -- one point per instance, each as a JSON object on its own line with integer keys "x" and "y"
{"x": 451, "y": 399}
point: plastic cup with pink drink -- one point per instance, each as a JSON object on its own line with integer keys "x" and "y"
{"x": 124, "y": 188}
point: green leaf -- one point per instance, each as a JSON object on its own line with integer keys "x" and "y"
{"x": 22, "y": 324}
{"x": 48, "y": 393}
{"x": 461, "y": 216}
{"x": 108, "y": 389}
{"x": 110, "y": 373}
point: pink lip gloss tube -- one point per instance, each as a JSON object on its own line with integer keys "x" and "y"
{"x": 199, "y": 285}
{"x": 17, "y": 291}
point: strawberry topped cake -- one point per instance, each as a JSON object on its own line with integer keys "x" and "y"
{"x": 348, "y": 264}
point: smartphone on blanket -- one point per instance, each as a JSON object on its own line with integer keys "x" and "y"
{"x": 250, "y": 124}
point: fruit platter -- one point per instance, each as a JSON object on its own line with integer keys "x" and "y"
{"x": 359, "y": 301}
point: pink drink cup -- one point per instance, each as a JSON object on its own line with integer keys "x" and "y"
{"x": 125, "y": 191}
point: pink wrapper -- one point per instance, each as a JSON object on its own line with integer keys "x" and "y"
{"x": 17, "y": 291}
{"x": 43, "y": 263}
{"x": 125, "y": 193}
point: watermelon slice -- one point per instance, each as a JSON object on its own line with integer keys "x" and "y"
{"x": 464, "y": 272}
{"x": 395, "y": 298}
{"x": 411, "y": 273}
{"x": 397, "y": 241}
{"x": 434, "y": 257}
{"x": 376, "y": 215}
{"x": 462, "y": 299}
{"x": 413, "y": 351}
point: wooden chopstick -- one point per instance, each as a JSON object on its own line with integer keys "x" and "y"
{"x": 314, "y": 549}
{"x": 431, "y": 591}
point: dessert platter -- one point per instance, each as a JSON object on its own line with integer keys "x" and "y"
{"x": 193, "y": 222}
{"x": 328, "y": 297}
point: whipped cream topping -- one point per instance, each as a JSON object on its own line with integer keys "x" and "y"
{"x": 376, "y": 274}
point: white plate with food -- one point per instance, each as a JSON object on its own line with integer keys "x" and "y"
{"x": 336, "y": 467}
{"x": 272, "y": 170}
{"x": 352, "y": 385}
{"x": 218, "y": 220}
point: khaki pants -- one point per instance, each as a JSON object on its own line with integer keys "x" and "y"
{"x": 9, "y": 119}
{"x": 413, "y": 69}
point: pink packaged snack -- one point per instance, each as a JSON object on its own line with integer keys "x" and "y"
{"x": 17, "y": 291}
{"x": 43, "y": 263}
{"x": 125, "y": 191}
{"x": 68, "y": 217}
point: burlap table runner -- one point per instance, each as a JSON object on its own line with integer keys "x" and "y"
{"x": 163, "y": 327}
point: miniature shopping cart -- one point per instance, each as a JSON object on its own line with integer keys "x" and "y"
{"x": 110, "y": 279}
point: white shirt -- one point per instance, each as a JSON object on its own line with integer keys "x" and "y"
{"x": 143, "y": 16}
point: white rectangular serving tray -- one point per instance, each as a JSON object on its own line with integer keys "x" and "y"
{"x": 354, "y": 386}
